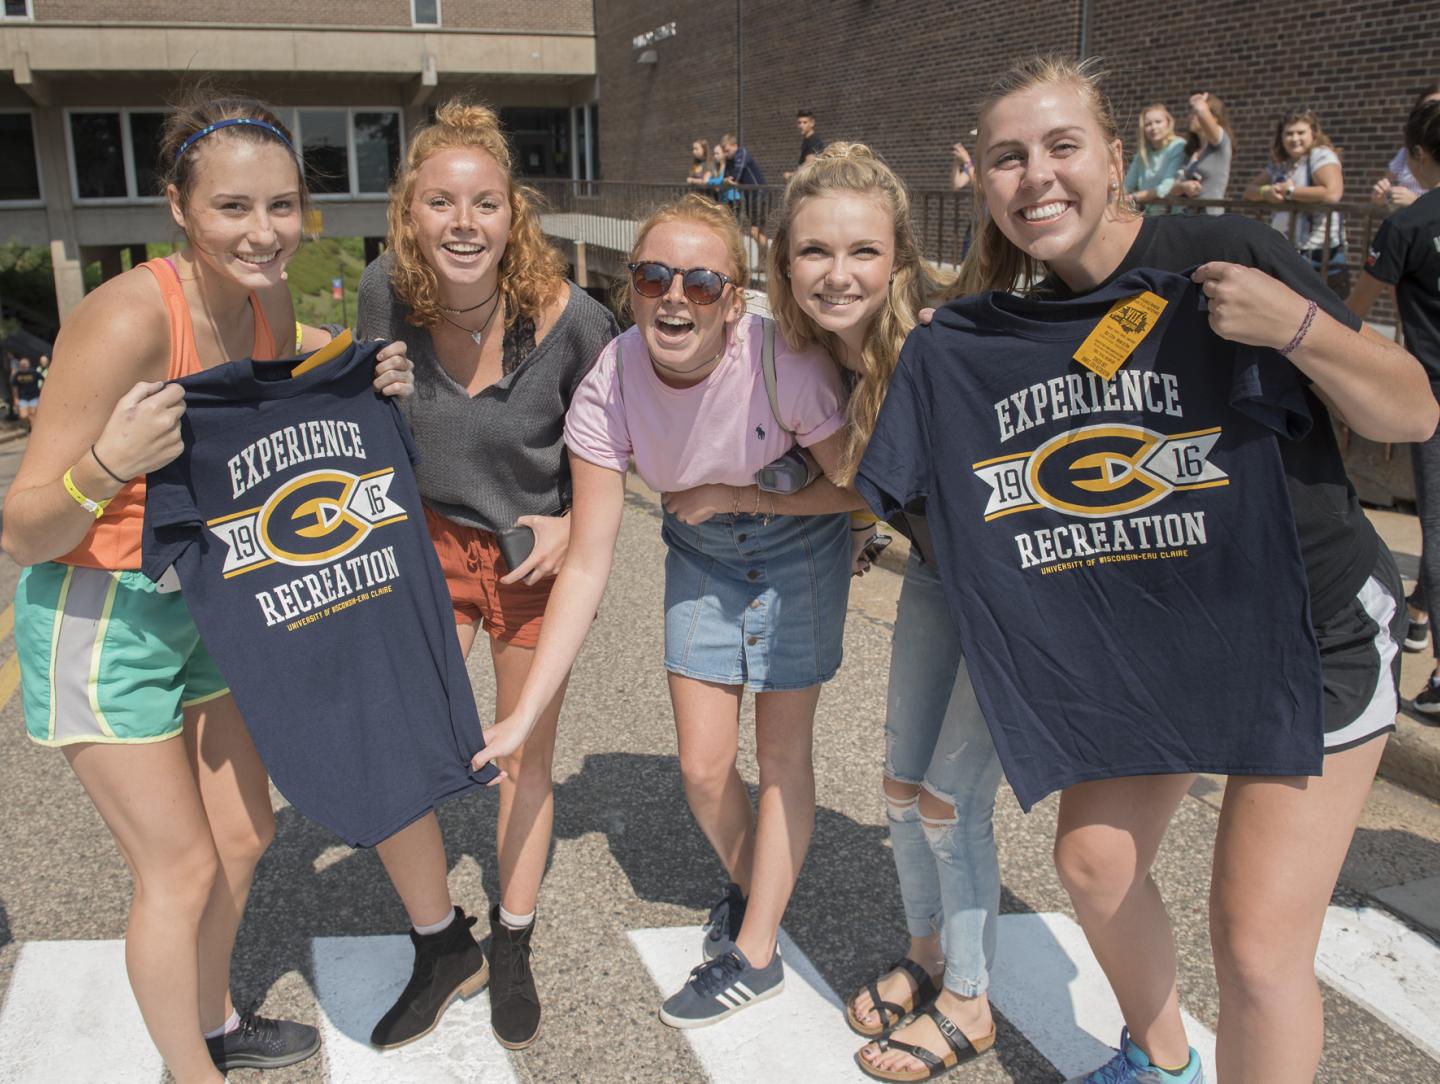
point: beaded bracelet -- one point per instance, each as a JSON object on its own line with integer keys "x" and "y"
{"x": 1310, "y": 310}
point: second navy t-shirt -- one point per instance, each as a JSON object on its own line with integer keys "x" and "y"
{"x": 1119, "y": 555}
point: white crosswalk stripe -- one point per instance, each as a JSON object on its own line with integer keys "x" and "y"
{"x": 68, "y": 1013}
{"x": 356, "y": 980}
{"x": 1386, "y": 967}
{"x": 1049, "y": 985}
{"x": 798, "y": 1036}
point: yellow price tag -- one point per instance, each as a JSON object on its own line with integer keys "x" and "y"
{"x": 1112, "y": 341}
{"x": 329, "y": 352}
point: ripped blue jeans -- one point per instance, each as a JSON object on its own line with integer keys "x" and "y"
{"x": 935, "y": 736}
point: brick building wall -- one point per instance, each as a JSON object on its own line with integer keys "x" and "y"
{"x": 905, "y": 77}
{"x": 542, "y": 16}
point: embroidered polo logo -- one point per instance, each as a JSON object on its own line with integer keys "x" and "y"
{"x": 1101, "y": 470}
{"x": 314, "y": 518}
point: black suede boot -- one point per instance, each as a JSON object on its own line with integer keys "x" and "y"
{"x": 446, "y": 964}
{"x": 514, "y": 1004}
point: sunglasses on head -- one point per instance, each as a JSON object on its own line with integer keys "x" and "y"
{"x": 650, "y": 278}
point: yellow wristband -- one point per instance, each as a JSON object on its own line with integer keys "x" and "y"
{"x": 97, "y": 507}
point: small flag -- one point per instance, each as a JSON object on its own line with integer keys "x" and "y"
{"x": 337, "y": 289}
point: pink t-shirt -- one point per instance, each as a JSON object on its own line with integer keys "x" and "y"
{"x": 719, "y": 430}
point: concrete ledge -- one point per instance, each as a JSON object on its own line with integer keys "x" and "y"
{"x": 1412, "y": 759}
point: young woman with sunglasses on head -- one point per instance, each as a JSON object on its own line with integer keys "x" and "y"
{"x": 113, "y": 667}
{"x": 500, "y": 341}
{"x": 846, "y": 273}
{"x": 755, "y": 588}
{"x": 1050, "y": 170}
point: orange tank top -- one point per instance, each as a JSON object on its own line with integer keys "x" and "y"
{"x": 114, "y": 540}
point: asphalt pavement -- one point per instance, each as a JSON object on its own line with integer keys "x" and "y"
{"x": 629, "y": 871}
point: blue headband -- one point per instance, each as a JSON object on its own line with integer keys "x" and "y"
{"x": 203, "y": 132}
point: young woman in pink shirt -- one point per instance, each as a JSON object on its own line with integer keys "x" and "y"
{"x": 755, "y": 584}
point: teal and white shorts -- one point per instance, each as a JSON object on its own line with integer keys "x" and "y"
{"x": 107, "y": 656}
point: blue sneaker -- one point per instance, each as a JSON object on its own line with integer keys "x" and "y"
{"x": 723, "y": 925}
{"x": 1131, "y": 1066}
{"x": 720, "y": 987}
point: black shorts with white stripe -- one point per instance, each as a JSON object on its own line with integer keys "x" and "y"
{"x": 1360, "y": 659}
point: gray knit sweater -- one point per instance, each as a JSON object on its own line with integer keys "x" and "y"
{"x": 486, "y": 460}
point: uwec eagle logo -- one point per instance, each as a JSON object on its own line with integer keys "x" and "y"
{"x": 316, "y": 517}
{"x": 1101, "y": 470}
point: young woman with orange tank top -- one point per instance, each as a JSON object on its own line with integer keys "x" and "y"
{"x": 112, "y": 666}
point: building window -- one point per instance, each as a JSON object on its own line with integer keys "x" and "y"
{"x": 145, "y": 151}
{"x": 377, "y": 150}
{"x": 19, "y": 165}
{"x": 539, "y": 140}
{"x": 98, "y": 146}
{"x": 323, "y": 147}
{"x": 425, "y": 12}
{"x": 18, "y": 9}
{"x": 349, "y": 152}
{"x": 113, "y": 153}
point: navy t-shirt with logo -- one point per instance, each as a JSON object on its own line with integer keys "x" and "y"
{"x": 1119, "y": 555}
{"x": 293, "y": 521}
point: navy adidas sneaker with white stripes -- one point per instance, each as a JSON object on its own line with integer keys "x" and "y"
{"x": 720, "y": 987}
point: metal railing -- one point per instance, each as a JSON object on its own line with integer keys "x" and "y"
{"x": 944, "y": 221}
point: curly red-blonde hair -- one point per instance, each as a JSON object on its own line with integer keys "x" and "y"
{"x": 531, "y": 271}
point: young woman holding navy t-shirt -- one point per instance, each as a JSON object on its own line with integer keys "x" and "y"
{"x": 114, "y": 672}
{"x": 1050, "y": 172}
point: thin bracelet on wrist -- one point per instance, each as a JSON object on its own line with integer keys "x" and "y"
{"x": 101, "y": 463}
{"x": 1310, "y": 309}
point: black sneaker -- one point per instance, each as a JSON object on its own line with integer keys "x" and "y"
{"x": 262, "y": 1043}
{"x": 447, "y": 964}
{"x": 1427, "y": 700}
{"x": 514, "y": 1004}
{"x": 1417, "y": 637}
{"x": 723, "y": 925}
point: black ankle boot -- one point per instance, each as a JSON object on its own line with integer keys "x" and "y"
{"x": 446, "y": 964}
{"x": 514, "y": 1004}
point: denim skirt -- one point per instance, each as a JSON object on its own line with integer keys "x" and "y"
{"x": 754, "y": 603}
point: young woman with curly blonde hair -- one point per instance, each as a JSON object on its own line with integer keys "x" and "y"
{"x": 500, "y": 340}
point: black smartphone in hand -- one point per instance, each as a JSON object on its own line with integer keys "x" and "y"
{"x": 516, "y": 544}
{"x": 875, "y": 547}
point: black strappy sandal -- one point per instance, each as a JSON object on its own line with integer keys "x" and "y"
{"x": 926, "y": 991}
{"x": 961, "y": 1051}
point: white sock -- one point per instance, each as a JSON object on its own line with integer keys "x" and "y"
{"x": 225, "y": 1028}
{"x": 436, "y": 927}
{"x": 515, "y": 922}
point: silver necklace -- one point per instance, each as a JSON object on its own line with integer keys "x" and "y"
{"x": 478, "y": 335}
{"x": 472, "y": 308}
